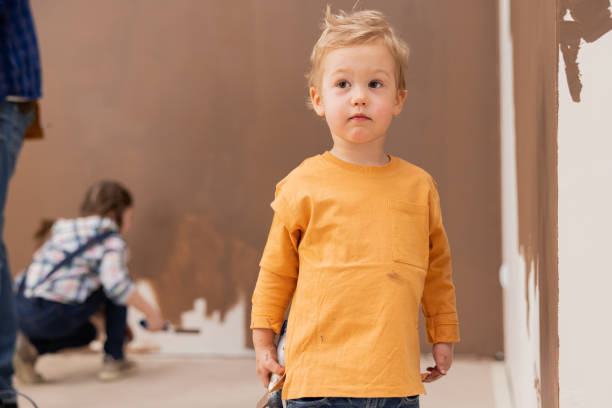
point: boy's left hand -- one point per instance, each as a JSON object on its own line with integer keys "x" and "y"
{"x": 443, "y": 356}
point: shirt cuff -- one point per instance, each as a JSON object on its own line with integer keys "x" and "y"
{"x": 266, "y": 322}
{"x": 439, "y": 331}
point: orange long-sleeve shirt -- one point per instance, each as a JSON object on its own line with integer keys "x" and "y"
{"x": 356, "y": 249}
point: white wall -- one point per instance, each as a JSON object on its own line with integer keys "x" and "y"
{"x": 216, "y": 337}
{"x": 585, "y": 228}
{"x": 521, "y": 338}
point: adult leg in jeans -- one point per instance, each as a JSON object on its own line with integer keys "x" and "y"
{"x": 13, "y": 124}
{"x": 8, "y": 331}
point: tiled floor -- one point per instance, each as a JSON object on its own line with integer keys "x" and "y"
{"x": 219, "y": 383}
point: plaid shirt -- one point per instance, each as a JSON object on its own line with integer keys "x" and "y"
{"x": 19, "y": 60}
{"x": 101, "y": 265}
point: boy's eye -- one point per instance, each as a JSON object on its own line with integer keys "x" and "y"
{"x": 375, "y": 84}
{"x": 343, "y": 84}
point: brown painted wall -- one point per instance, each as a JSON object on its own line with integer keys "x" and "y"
{"x": 535, "y": 39}
{"x": 198, "y": 106}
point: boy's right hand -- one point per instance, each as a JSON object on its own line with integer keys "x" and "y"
{"x": 267, "y": 363}
{"x": 266, "y": 360}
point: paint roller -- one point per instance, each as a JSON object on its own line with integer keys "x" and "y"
{"x": 173, "y": 329}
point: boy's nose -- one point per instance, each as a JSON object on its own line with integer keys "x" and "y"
{"x": 358, "y": 96}
{"x": 359, "y": 99}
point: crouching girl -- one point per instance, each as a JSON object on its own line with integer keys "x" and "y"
{"x": 79, "y": 270}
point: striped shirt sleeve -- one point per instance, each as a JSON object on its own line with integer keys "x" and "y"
{"x": 114, "y": 276}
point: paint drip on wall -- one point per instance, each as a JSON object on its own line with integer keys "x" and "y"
{"x": 535, "y": 49}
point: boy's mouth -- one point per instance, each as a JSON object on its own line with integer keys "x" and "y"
{"x": 359, "y": 117}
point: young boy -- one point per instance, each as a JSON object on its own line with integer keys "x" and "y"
{"x": 357, "y": 241}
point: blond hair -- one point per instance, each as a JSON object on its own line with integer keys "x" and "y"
{"x": 356, "y": 28}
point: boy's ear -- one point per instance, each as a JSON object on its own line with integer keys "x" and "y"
{"x": 399, "y": 102}
{"x": 317, "y": 104}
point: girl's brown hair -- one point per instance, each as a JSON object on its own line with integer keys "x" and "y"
{"x": 105, "y": 198}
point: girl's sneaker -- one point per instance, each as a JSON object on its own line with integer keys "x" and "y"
{"x": 114, "y": 369}
{"x": 24, "y": 360}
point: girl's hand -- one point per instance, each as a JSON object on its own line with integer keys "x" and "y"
{"x": 443, "y": 356}
{"x": 155, "y": 321}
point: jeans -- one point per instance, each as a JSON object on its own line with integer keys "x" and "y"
{"x": 14, "y": 121}
{"x": 54, "y": 326}
{"x": 339, "y": 402}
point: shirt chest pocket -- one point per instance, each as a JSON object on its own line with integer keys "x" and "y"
{"x": 410, "y": 233}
